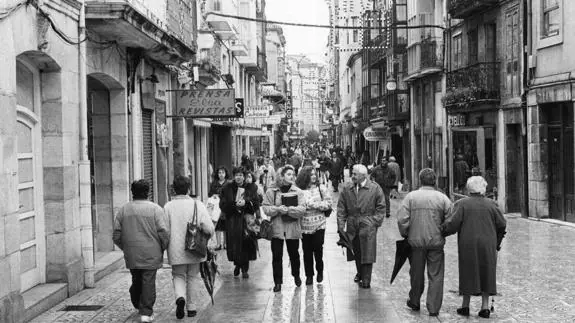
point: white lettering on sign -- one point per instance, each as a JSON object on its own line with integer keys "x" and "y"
{"x": 457, "y": 120}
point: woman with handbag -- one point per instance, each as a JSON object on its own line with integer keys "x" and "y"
{"x": 284, "y": 205}
{"x": 221, "y": 178}
{"x": 180, "y": 211}
{"x": 313, "y": 223}
{"x": 237, "y": 200}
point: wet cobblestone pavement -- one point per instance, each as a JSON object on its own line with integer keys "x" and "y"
{"x": 535, "y": 278}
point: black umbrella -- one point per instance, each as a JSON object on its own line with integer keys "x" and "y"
{"x": 402, "y": 252}
{"x": 345, "y": 241}
{"x": 208, "y": 271}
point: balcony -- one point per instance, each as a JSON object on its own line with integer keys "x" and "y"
{"x": 461, "y": 9}
{"x": 260, "y": 68}
{"x": 239, "y": 48}
{"x": 473, "y": 85}
{"x": 424, "y": 58}
{"x": 223, "y": 27}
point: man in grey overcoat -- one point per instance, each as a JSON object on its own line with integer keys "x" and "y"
{"x": 420, "y": 219}
{"x": 361, "y": 210}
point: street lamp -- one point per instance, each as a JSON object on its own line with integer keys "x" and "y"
{"x": 391, "y": 83}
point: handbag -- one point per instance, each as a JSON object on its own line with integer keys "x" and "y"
{"x": 196, "y": 240}
{"x": 266, "y": 230}
{"x": 327, "y": 212}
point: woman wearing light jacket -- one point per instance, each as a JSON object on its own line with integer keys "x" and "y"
{"x": 313, "y": 223}
{"x": 286, "y": 223}
{"x": 185, "y": 265}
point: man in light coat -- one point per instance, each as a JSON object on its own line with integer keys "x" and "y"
{"x": 141, "y": 232}
{"x": 180, "y": 211}
{"x": 420, "y": 219}
{"x": 361, "y": 210}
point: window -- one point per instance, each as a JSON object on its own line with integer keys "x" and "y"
{"x": 217, "y": 5}
{"x": 472, "y": 44}
{"x": 457, "y": 52}
{"x": 490, "y": 42}
{"x": 551, "y": 18}
{"x": 355, "y": 31}
{"x": 347, "y": 30}
{"x": 374, "y": 83}
{"x": 512, "y": 53}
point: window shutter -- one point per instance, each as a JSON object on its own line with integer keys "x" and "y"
{"x": 147, "y": 143}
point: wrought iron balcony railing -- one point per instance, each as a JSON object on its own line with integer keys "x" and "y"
{"x": 461, "y": 9}
{"x": 473, "y": 84}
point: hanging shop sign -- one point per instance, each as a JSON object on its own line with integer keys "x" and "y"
{"x": 371, "y": 134}
{"x": 262, "y": 111}
{"x": 213, "y": 103}
{"x": 273, "y": 119}
{"x": 289, "y": 111}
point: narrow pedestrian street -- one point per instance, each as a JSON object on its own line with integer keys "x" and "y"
{"x": 534, "y": 275}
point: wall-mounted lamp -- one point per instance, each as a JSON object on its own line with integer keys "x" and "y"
{"x": 391, "y": 84}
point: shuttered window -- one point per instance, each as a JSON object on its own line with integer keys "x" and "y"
{"x": 148, "y": 156}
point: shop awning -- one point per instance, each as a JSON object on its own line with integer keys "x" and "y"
{"x": 201, "y": 123}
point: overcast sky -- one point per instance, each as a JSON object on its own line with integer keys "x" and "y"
{"x": 304, "y": 40}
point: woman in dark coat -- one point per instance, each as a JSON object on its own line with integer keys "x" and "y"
{"x": 241, "y": 247}
{"x": 220, "y": 178}
{"x": 480, "y": 225}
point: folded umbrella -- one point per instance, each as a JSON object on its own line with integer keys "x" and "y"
{"x": 208, "y": 271}
{"x": 345, "y": 241}
{"x": 402, "y": 252}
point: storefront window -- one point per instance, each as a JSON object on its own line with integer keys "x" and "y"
{"x": 474, "y": 153}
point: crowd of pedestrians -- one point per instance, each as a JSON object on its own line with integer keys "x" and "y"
{"x": 291, "y": 191}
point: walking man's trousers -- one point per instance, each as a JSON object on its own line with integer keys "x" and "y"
{"x": 435, "y": 261}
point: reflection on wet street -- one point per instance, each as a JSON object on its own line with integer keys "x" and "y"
{"x": 535, "y": 274}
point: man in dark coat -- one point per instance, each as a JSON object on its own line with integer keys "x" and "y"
{"x": 385, "y": 177}
{"x": 420, "y": 220}
{"x": 360, "y": 210}
{"x": 335, "y": 172}
{"x": 324, "y": 167}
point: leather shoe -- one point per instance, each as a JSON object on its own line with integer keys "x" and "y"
{"x": 484, "y": 313}
{"x": 277, "y": 288}
{"x": 463, "y": 311}
{"x": 364, "y": 285}
{"x": 309, "y": 280}
{"x": 237, "y": 271}
{"x": 433, "y": 314}
{"x": 297, "y": 281}
{"x": 245, "y": 275}
{"x": 357, "y": 278}
{"x": 319, "y": 277}
{"x": 412, "y": 306}
{"x": 192, "y": 313}
{"x": 180, "y": 303}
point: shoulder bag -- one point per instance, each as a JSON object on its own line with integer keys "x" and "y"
{"x": 196, "y": 240}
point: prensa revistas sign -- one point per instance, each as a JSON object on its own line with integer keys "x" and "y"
{"x": 215, "y": 103}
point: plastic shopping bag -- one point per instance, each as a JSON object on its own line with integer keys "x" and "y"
{"x": 213, "y": 206}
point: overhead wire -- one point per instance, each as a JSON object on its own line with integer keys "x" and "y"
{"x": 9, "y": 11}
{"x": 296, "y": 24}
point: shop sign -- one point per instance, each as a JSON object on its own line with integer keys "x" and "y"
{"x": 289, "y": 111}
{"x": 457, "y": 120}
{"x": 215, "y": 103}
{"x": 371, "y": 134}
{"x": 274, "y": 119}
{"x": 262, "y": 111}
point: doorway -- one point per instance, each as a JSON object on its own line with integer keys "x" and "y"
{"x": 99, "y": 152}
{"x": 561, "y": 164}
{"x": 514, "y": 169}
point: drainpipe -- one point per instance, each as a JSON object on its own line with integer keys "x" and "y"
{"x": 86, "y": 231}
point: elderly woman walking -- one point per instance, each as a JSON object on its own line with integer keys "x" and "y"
{"x": 284, "y": 204}
{"x": 180, "y": 211}
{"x": 480, "y": 225}
{"x": 239, "y": 198}
{"x": 313, "y": 223}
